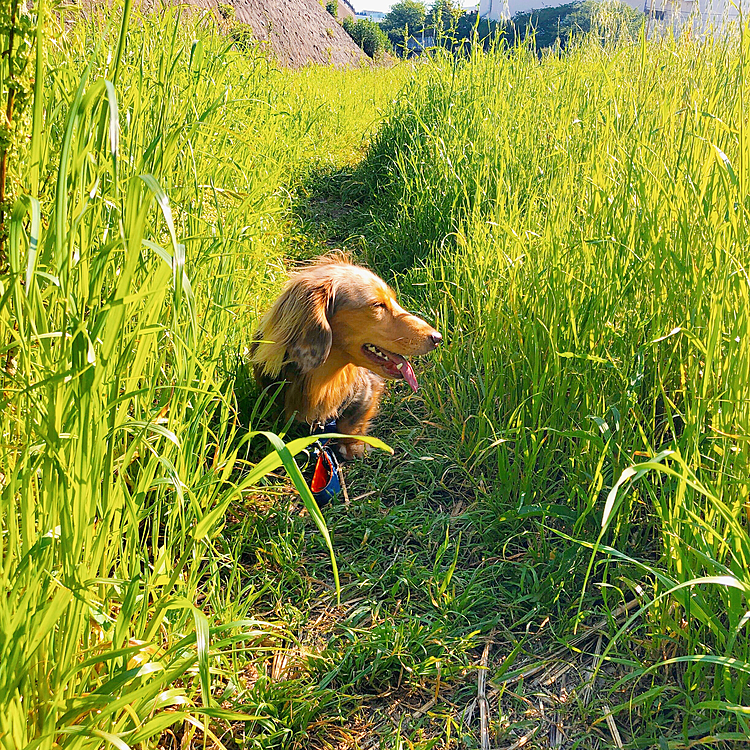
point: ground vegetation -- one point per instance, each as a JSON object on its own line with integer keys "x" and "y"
{"x": 557, "y": 553}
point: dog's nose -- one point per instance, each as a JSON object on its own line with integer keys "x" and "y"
{"x": 436, "y": 338}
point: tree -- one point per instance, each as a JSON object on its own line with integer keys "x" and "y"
{"x": 470, "y": 29}
{"x": 544, "y": 24}
{"x": 405, "y": 13}
{"x": 610, "y": 20}
{"x": 444, "y": 17}
{"x": 405, "y": 19}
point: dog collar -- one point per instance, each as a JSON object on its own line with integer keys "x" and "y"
{"x": 319, "y": 428}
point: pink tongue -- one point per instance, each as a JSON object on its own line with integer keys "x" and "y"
{"x": 409, "y": 376}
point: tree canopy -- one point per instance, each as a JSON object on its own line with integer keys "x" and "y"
{"x": 611, "y": 19}
{"x": 452, "y": 27}
{"x": 444, "y": 16}
{"x": 405, "y": 19}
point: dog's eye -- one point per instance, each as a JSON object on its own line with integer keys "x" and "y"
{"x": 379, "y": 305}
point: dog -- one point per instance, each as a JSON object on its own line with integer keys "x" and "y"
{"x": 334, "y": 336}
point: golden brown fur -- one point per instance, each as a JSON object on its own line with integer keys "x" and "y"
{"x": 335, "y": 334}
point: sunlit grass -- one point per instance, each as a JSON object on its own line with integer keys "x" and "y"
{"x": 152, "y": 226}
{"x": 576, "y": 224}
{"x": 579, "y": 224}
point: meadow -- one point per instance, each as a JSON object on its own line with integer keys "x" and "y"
{"x": 556, "y": 554}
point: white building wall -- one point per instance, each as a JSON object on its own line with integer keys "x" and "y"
{"x": 702, "y": 13}
{"x": 495, "y": 10}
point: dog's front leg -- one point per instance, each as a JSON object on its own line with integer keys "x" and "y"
{"x": 356, "y": 417}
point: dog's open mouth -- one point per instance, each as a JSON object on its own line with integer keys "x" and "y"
{"x": 394, "y": 365}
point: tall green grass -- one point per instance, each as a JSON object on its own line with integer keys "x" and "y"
{"x": 579, "y": 222}
{"x": 151, "y": 225}
{"x": 579, "y": 225}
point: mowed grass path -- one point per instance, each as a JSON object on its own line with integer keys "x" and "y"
{"x": 576, "y": 226}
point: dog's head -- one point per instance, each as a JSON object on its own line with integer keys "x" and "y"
{"x": 335, "y": 310}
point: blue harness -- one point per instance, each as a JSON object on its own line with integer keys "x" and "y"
{"x": 326, "y": 481}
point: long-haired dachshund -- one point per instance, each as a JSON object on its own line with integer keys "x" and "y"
{"x": 335, "y": 335}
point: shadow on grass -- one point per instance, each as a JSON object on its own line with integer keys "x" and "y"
{"x": 332, "y": 209}
{"x": 358, "y": 209}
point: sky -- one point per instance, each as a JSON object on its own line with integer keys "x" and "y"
{"x": 385, "y": 5}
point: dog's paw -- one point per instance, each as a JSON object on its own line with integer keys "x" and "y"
{"x": 350, "y": 450}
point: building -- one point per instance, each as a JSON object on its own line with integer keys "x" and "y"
{"x": 371, "y": 15}
{"x": 697, "y": 14}
{"x": 499, "y": 10}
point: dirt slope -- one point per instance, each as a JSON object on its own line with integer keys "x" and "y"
{"x": 346, "y": 9}
{"x": 299, "y": 32}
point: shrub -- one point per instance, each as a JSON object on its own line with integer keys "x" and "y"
{"x": 332, "y": 6}
{"x": 241, "y": 33}
{"x": 368, "y": 36}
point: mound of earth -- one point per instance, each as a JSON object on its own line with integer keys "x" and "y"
{"x": 297, "y": 32}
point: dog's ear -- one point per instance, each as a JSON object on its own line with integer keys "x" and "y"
{"x": 296, "y": 328}
{"x": 310, "y": 344}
